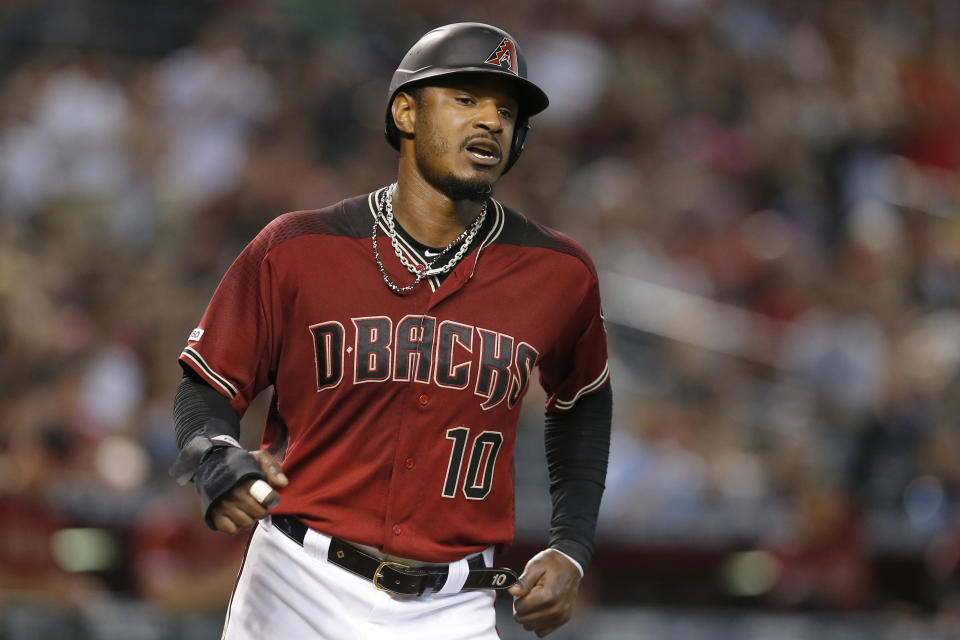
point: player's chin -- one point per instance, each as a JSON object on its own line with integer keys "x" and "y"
{"x": 484, "y": 179}
{"x": 484, "y": 176}
{"x": 467, "y": 184}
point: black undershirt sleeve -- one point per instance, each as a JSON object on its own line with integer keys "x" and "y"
{"x": 195, "y": 403}
{"x": 577, "y": 446}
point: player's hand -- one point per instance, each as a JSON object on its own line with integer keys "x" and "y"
{"x": 237, "y": 509}
{"x": 544, "y": 595}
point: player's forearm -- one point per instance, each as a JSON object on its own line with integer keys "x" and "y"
{"x": 207, "y": 430}
{"x": 199, "y": 410}
{"x": 195, "y": 404}
{"x": 578, "y": 446}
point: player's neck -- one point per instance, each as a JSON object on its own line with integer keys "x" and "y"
{"x": 428, "y": 215}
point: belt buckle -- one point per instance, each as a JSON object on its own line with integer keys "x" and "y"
{"x": 379, "y": 574}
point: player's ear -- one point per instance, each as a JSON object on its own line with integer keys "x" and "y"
{"x": 404, "y": 110}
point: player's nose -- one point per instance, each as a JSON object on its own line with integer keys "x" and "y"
{"x": 489, "y": 116}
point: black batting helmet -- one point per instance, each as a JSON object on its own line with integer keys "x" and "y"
{"x": 469, "y": 48}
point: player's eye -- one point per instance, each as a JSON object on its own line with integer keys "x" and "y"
{"x": 464, "y": 99}
{"x": 506, "y": 114}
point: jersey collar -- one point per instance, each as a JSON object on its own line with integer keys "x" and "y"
{"x": 491, "y": 230}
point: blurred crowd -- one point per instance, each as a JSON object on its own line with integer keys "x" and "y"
{"x": 796, "y": 161}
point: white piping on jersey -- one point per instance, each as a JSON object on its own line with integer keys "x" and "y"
{"x": 499, "y": 223}
{"x": 565, "y": 405}
{"x": 222, "y": 382}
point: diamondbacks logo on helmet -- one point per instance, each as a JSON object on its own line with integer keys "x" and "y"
{"x": 504, "y": 56}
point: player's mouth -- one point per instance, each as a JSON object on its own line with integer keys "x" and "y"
{"x": 483, "y": 151}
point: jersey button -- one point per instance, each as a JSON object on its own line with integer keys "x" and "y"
{"x": 397, "y": 530}
{"x": 409, "y": 462}
{"x": 423, "y": 399}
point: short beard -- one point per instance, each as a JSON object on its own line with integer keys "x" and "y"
{"x": 456, "y": 188}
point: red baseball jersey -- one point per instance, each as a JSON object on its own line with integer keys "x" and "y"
{"x": 397, "y": 415}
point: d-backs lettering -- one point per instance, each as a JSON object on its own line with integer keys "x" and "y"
{"x": 419, "y": 349}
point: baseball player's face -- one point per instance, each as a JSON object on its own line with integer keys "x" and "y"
{"x": 462, "y": 137}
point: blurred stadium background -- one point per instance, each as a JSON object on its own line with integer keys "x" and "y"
{"x": 769, "y": 188}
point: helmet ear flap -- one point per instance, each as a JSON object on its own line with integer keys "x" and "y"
{"x": 520, "y": 132}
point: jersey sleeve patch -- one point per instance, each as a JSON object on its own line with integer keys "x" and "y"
{"x": 566, "y": 405}
{"x": 195, "y": 335}
{"x": 193, "y": 356}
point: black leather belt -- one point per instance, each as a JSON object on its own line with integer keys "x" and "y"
{"x": 397, "y": 577}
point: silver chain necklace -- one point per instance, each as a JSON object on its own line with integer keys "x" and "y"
{"x": 386, "y": 209}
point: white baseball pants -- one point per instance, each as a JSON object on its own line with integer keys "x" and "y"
{"x": 289, "y": 592}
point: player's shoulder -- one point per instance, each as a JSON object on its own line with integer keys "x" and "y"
{"x": 341, "y": 219}
{"x": 521, "y": 231}
{"x": 347, "y": 218}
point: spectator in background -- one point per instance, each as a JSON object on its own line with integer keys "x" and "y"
{"x": 178, "y": 563}
{"x": 31, "y": 571}
{"x": 209, "y": 97}
{"x": 823, "y": 560}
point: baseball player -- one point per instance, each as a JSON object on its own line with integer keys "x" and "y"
{"x": 399, "y": 330}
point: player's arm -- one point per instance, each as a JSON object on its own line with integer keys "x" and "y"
{"x": 577, "y": 446}
{"x": 207, "y": 430}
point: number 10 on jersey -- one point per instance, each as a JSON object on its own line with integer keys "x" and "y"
{"x": 483, "y": 457}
